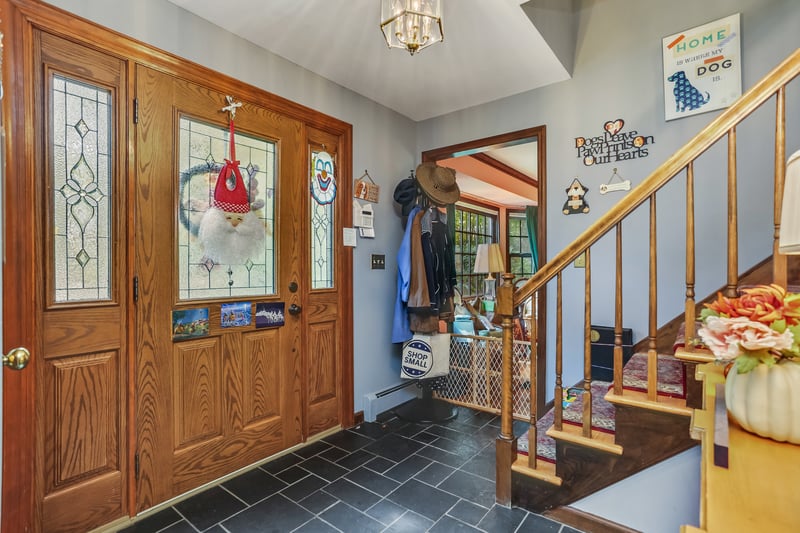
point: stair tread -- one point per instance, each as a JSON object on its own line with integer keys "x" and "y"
{"x": 664, "y": 404}
{"x": 544, "y": 470}
{"x": 599, "y": 440}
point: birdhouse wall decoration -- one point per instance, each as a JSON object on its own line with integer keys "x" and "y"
{"x": 576, "y": 199}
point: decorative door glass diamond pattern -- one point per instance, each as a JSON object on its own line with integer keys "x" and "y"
{"x": 82, "y": 219}
{"x": 203, "y": 149}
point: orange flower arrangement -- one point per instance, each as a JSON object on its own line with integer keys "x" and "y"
{"x": 760, "y": 327}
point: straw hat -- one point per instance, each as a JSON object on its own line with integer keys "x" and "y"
{"x": 438, "y": 183}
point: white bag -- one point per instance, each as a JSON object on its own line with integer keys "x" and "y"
{"x": 426, "y": 356}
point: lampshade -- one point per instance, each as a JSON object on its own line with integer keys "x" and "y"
{"x": 488, "y": 259}
{"x": 411, "y": 24}
{"x": 789, "y": 242}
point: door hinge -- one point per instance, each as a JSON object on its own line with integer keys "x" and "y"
{"x": 136, "y": 466}
{"x": 135, "y": 110}
{"x": 135, "y": 288}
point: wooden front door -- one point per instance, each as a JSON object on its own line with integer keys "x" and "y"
{"x": 229, "y": 396}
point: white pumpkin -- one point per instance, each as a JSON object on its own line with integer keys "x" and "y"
{"x": 766, "y": 401}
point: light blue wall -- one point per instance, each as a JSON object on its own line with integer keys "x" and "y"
{"x": 618, "y": 74}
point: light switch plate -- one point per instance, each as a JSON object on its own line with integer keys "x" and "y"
{"x": 378, "y": 262}
{"x": 580, "y": 261}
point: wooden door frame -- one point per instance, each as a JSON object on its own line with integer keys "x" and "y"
{"x": 17, "y": 18}
{"x": 497, "y": 141}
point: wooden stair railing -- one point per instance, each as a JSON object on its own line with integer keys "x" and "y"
{"x": 773, "y": 84}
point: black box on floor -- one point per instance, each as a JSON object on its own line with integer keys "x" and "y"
{"x": 602, "y": 338}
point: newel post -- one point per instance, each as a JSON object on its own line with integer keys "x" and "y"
{"x": 506, "y": 442}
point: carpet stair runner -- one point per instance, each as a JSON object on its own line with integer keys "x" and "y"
{"x": 672, "y": 379}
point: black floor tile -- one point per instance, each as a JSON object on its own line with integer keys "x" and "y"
{"x": 450, "y": 459}
{"x": 372, "y": 430}
{"x": 323, "y": 468}
{"x": 312, "y": 449}
{"x": 254, "y": 486}
{"x": 182, "y": 527}
{"x": 451, "y": 525}
{"x": 275, "y": 514}
{"x": 425, "y": 437}
{"x": 316, "y": 526}
{"x": 411, "y": 430}
{"x": 534, "y": 523}
{"x": 349, "y": 440}
{"x": 355, "y": 459}
{"x": 379, "y": 464}
{"x": 318, "y": 501}
{"x": 482, "y": 464}
{"x": 281, "y": 463}
{"x": 405, "y": 470}
{"x": 372, "y": 481}
{"x": 352, "y": 494}
{"x": 386, "y": 512}
{"x": 292, "y": 474}
{"x": 470, "y": 487}
{"x": 434, "y": 473}
{"x": 567, "y": 529}
{"x": 428, "y": 501}
{"x": 209, "y": 507}
{"x": 468, "y": 512}
{"x": 333, "y": 454}
{"x": 346, "y": 518}
{"x": 304, "y": 487}
{"x": 393, "y": 447}
{"x": 155, "y": 522}
{"x": 410, "y": 522}
{"x": 503, "y": 519}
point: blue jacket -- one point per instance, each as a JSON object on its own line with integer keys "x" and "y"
{"x": 401, "y": 332}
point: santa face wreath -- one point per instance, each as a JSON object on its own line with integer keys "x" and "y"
{"x": 230, "y": 231}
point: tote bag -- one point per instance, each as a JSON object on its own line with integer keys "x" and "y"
{"x": 426, "y": 356}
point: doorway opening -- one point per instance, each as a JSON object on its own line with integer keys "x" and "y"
{"x": 499, "y": 177}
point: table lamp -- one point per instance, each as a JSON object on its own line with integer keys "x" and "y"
{"x": 488, "y": 260}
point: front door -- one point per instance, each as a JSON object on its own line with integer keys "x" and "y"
{"x": 214, "y": 392}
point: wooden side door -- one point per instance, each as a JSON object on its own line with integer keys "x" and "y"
{"x": 80, "y": 122}
{"x": 210, "y": 404}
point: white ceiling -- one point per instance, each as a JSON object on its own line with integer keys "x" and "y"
{"x": 490, "y": 50}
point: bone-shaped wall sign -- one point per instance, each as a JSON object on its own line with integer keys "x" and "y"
{"x": 619, "y": 186}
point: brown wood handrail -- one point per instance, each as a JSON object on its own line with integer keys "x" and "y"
{"x": 718, "y": 128}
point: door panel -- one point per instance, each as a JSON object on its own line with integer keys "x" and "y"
{"x": 210, "y": 405}
{"x": 81, "y": 299}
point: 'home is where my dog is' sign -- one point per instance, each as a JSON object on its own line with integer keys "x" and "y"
{"x": 702, "y": 68}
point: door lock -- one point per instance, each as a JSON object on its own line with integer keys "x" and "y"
{"x": 295, "y": 309}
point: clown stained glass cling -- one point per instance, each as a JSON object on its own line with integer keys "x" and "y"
{"x": 322, "y": 226}
{"x": 221, "y": 217}
{"x": 81, "y": 191}
{"x": 323, "y": 182}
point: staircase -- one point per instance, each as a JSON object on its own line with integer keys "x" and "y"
{"x": 649, "y": 427}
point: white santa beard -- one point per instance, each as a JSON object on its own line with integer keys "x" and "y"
{"x": 223, "y": 243}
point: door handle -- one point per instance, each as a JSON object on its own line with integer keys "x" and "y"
{"x": 295, "y": 309}
{"x": 17, "y": 359}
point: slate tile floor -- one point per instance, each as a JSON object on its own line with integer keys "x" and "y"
{"x": 389, "y": 477}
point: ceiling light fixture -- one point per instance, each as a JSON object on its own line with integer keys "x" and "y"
{"x": 411, "y": 24}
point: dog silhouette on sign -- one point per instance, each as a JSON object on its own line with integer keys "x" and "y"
{"x": 686, "y": 95}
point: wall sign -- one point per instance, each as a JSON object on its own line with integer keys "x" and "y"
{"x": 612, "y": 145}
{"x": 702, "y": 68}
{"x": 576, "y": 199}
{"x": 270, "y": 314}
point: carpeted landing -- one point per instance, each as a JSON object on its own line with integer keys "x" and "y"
{"x": 671, "y": 382}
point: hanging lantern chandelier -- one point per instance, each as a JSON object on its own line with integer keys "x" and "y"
{"x": 411, "y": 24}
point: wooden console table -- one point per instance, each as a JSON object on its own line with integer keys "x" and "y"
{"x": 758, "y": 491}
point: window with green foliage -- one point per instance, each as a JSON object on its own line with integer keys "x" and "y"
{"x": 519, "y": 246}
{"x": 473, "y": 226}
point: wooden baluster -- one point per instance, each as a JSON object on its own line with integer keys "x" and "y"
{"x": 690, "y": 308}
{"x": 779, "y": 267}
{"x": 652, "y": 354}
{"x": 618, "y": 362}
{"x": 733, "y": 222}
{"x": 559, "y": 392}
{"x": 506, "y": 444}
{"x": 532, "y": 386}
{"x": 587, "y": 349}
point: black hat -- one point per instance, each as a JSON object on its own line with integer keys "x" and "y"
{"x": 405, "y": 194}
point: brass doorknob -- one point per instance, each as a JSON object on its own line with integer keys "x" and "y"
{"x": 17, "y": 358}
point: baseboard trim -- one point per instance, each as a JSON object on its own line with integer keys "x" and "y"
{"x": 586, "y": 522}
{"x": 358, "y": 418}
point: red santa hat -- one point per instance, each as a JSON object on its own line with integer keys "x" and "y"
{"x": 229, "y": 193}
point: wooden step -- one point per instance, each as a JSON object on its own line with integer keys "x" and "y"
{"x": 665, "y": 404}
{"x": 600, "y": 440}
{"x": 694, "y": 355}
{"x": 544, "y": 470}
